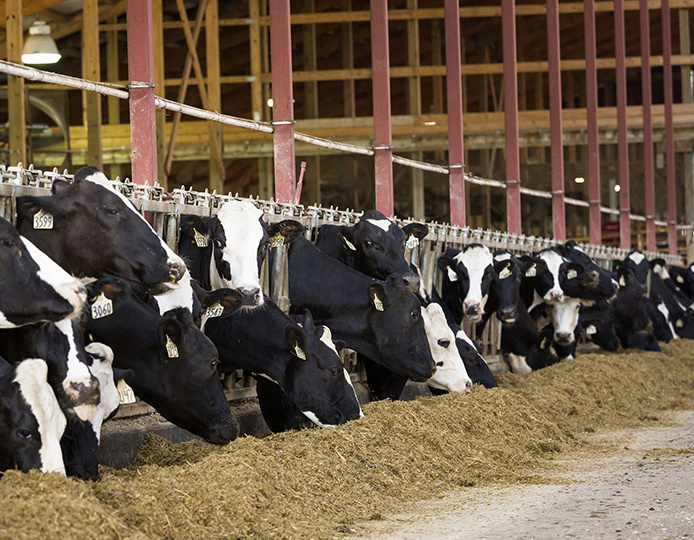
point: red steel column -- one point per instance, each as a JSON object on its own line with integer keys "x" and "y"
{"x": 513, "y": 199}
{"x": 623, "y": 143}
{"x": 282, "y": 99}
{"x": 380, "y": 63}
{"x": 592, "y": 124}
{"x": 454, "y": 91}
{"x": 646, "y": 92}
{"x": 669, "y": 131}
{"x": 555, "y": 121}
{"x": 143, "y": 128}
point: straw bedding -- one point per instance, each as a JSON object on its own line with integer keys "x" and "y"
{"x": 314, "y": 483}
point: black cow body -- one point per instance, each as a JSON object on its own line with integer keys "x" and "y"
{"x": 174, "y": 364}
{"x": 632, "y": 322}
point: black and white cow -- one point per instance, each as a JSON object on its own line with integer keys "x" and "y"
{"x": 301, "y": 361}
{"x": 381, "y": 319}
{"x": 597, "y": 320}
{"x": 591, "y": 282}
{"x": 467, "y": 278}
{"x": 543, "y": 275}
{"x": 504, "y": 292}
{"x": 31, "y": 421}
{"x": 33, "y": 287}
{"x": 632, "y": 321}
{"x": 174, "y": 364}
{"x": 80, "y": 441}
{"x": 684, "y": 277}
{"x": 663, "y": 287}
{"x": 374, "y": 246}
{"x": 92, "y": 230}
{"x": 227, "y": 249}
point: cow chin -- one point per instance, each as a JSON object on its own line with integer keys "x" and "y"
{"x": 162, "y": 287}
{"x": 473, "y": 317}
{"x": 223, "y": 432}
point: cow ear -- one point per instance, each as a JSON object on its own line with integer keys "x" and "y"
{"x": 125, "y": 375}
{"x": 339, "y": 344}
{"x": 27, "y": 206}
{"x": 284, "y": 232}
{"x": 533, "y": 267}
{"x": 196, "y": 229}
{"x": 59, "y": 186}
{"x": 572, "y": 270}
{"x": 220, "y": 302}
{"x": 347, "y": 237}
{"x": 170, "y": 334}
{"x": 112, "y": 287}
{"x": 308, "y": 323}
{"x": 377, "y": 294}
{"x": 448, "y": 264}
{"x": 417, "y": 230}
{"x": 297, "y": 342}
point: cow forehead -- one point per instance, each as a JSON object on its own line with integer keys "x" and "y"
{"x": 241, "y": 223}
{"x": 637, "y": 257}
{"x": 553, "y": 260}
{"x": 327, "y": 339}
{"x": 383, "y": 224}
{"x": 502, "y": 257}
{"x": 462, "y": 335}
{"x": 475, "y": 257}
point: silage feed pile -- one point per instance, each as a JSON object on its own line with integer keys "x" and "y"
{"x": 316, "y": 483}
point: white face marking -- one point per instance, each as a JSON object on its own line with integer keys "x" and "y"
{"x": 182, "y": 297}
{"x": 564, "y": 315}
{"x": 383, "y": 224}
{"x": 244, "y": 232}
{"x": 450, "y": 373}
{"x": 476, "y": 260}
{"x": 31, "y": 377}
{"x": 77, "y": 372}
{"x": 313, "y": 418}
{"x": 327, "y": 339}
{"x": 666, "y": 313}
{"x": 54, "y": 275}
{"x": 102, "y": 369}
{"x": 502, "y": 257}
{"x": 553, "y": 261}
{"x": 637, "y": 257}
{"x": 100, "y": 179}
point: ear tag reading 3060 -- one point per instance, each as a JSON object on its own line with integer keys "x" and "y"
{"x": 125, "y": 393}
{"x": 171, "y": 349}
{"x": 215, "y": 310}
{"x": 275, "y": 241}
{"x": 200, "y": 239}
{"x": 102, "y": 307}
{"x": 43, "y": 220}
{"x": 412, "y": 242}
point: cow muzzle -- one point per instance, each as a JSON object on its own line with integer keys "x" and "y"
{"x": 473, "y": 311}
{"x": 554, "y": 295}
{"x": 564, "y": 338}
{"x": 251, "y": 296}
{"x": 84, "y": 395}
{"x": 412, "y": 282}
{"x": 176, "y": 271}
{"x": 507, "y": 314}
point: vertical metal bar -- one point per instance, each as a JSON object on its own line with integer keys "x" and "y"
{"x": 143, "y": 129}
{"x": 282, "y": 99}
{"x": 592, "y": 124}
{"x": 622, "y": 141}
{"x": 380, "y": 63}
{"x": 454, "y": 94}
{"x": 669, "y": 130}
{"x": 646, "y": 93}
{"x": 513, "y": 199}
{"x": 555, "y": 120}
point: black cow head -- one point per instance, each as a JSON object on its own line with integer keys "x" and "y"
{"x": 590, "y": 282}
{"x": 375, "y": 246}
{"x": 505, "y": 287}
{"x": 639, "y": 265}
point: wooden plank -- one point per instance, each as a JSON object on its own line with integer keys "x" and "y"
{"x": 91, "y": 70}
{"x": 214, "y": 90}
{"x": 15, "y": 85}
{"x": 348, "y": 64}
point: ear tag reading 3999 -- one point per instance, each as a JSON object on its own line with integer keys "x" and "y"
{"x": 171, "y": 349}
{"x": 102, "y": 307}
{"x": 43, "y": 220}
{"x": 200, "y": 239}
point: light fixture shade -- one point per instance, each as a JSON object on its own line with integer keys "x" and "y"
{"x": 40, "y": 47}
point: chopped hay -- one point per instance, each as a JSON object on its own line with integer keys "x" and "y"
{"x": 312, "y": 483}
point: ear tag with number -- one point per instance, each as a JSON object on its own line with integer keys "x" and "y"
{"x": 349, "y": 244}
{"x": 102, "y": 307}
{"x": 680, "y": 279}
{"x": 215, "y": 310}
{"x": 412, "y": 242}
{"x": 591, "y": 330}
{"x": 571, "y": 274}
{"x": 506, "y": 272}
{"x": 378, "y": 304}
{"x": 531, "y": 272}
{"x": 275, "y": 241}
{"x": 171, "y": 349}
{"x": 125, "y": 393}
{"x": 452, "y": 276}
{"x": 200, "y": 239}
{"x": 43, "y": 220}
{"x": 299, "y": 353}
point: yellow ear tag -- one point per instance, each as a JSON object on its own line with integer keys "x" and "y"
{"x": 505, "y": 273}
{"x": 276, "y": 241}
{"x": 215, "y": 310}
{"x": 412, "y": 242}
{"x": 543, "y": 345}
{"x": 171, "y": 349}
{"x": 679, "y": 323}
{"x": 43, "y": 220}
{"x": 657, "y": 268}
{"x": 200, "y": 239}
{"x": 531, "y": 272}
{"x": 125, "y": 393}
{"x": 378, "y": 304}
{"x": 571, "y": 274}
{"x": 349, "y": 244}
{"x": 622, "y": 281}
{"x": 680, "y": 279}
{"x": 299, "y": 353}
{"x": 102, "y": 307}
{"x": 591, "y": 330}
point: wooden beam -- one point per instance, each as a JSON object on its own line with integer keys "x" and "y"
{"x": 214, "y": 90}
{"x": 15, "y": 85}
{"x": 91, "y": 70}
{"x": 414, "y": 107}
{"x": 159, "y": 87}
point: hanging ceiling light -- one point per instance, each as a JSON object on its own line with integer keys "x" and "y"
{"x": 40, "y": 47}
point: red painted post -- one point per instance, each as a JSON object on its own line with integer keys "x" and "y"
{"x": 282, "y": 100}
{"x": 669, "y": 131}
{"x": 555, "y": 121}
{"x": 513, "y": 199}
{"x": 454, "y": 91}
{"x": 143, "y": 128}
{"x": 622, "y": 140}
{"x": 646, "y": 93}
{"x": 380, "y": 64}
{"x": 592, "y": 124}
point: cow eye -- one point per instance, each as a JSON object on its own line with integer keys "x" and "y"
{"x": 24, "y": 434}
{"x": 440, "y": 364}
{"x": 334, "y": 371}
{"x": 444, "y": 343}
{"x": 112, "y": 212}
{"x": 213, "y": 363}
{"x": 218, "y": 243}
{"x": 9, "y": 242}
{"x": 414, "y": 314}
{"x": 368, "y": 243}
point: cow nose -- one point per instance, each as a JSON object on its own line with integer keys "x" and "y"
{"x": 563, "y": 337}
{"x": 252, "y": 296}
{"x": 508, "y": 314}
{"x": 223, "y": 432}
{"x": 176, "y": 271}
{"x": 472, "y": 307}
{"x": 411, "y": 281}
{"x": 556, "y": 296}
